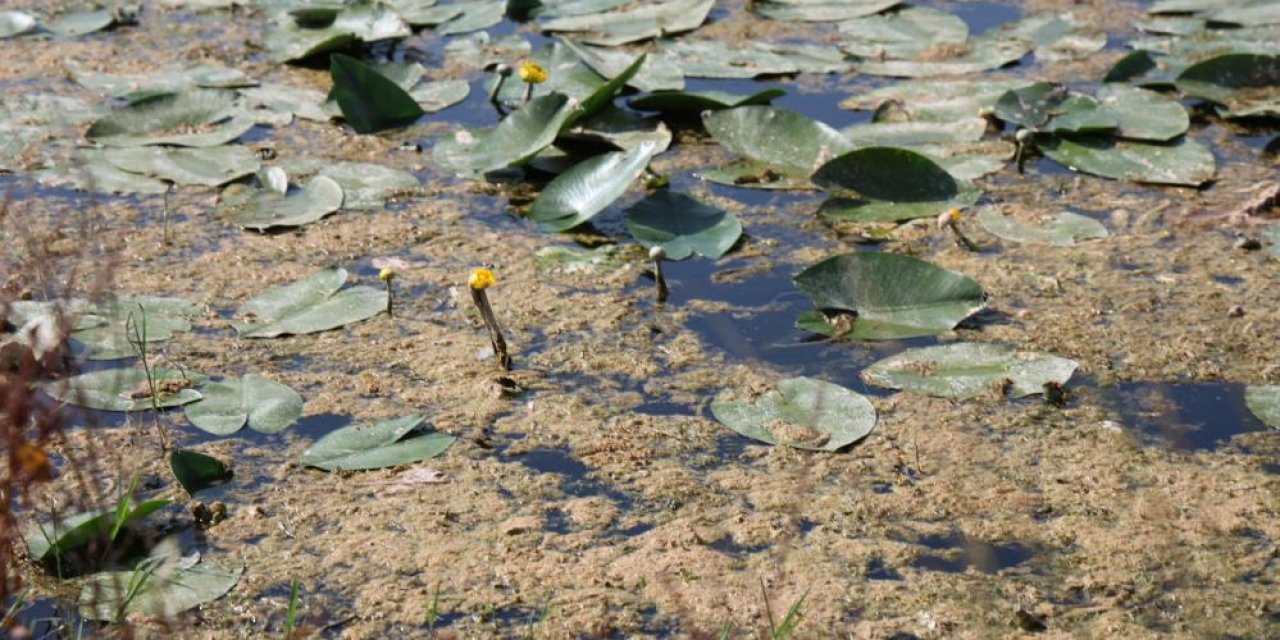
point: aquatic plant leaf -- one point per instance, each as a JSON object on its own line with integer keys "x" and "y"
{"x": 1182, "y": 162}
{"x": 173, "y": 79}
{"x": 1056, "y": 36}
{"x": 967, "y": 369}
{"x": 641, "y": 22}
{"x": 475, "y": 16}
{"x": 1063, "y": 230}
{"x": 695, "y": 102}
{"x": 1247, "y": 85}
{"x": 45, "y": 540}
{"x": 286, "y": 100}
{"x": 15, "y": 23}
{"x": 127, "y": 389}
{"x": 903, "y": 35}
{"x": 440, "y": 95}
{"x": 164, "y": 593}
{"x": 1031, "y": 106}
{"x": 171, "y": 118}
{"x": 789, "y": 142}
{"x": 888, "y": 184}
{"x": 1082, "y": 114}
{"x": 660, "y": 71}
{"x": 1133, "y": 65}
{"x": 288, "y": 42}
{"x": 603, "y": 96}
{"x": 715, "y": 59}
{"x": 893, "y": 296}
{"x": 1142, "y": 114}
{"x": 515, "y": 140}
{"x": 309, "y": 305}
{"x": 263, "y": 209}
{"x": 914, "y": 134}
{"x": 682, "y": 226}
{"x": 375, "y": 446}
{"x": 104, "y": 327}
{"x": 80, "y": 23}
{"x": 622, "y": 129}
{"x": 804, "y": 413}
{"x": 934, "y": 100}
{"x": 264, "y": 404}
{"x": 750, "y": 174}
{"x": 1249, "y": 13}
{"x": 370, "y": 101}
{"x": 1264, "y": 402}
{"x": 982, "y": 53}
{"x": 208, "y": 166}
{"x": 809, "y": 58}
{"x": 196, "y": 471}
{"x": 588, "y": 187}
{"x": 365, "y": 185}
{"x": 1271, "y": 239}
{"x": 558, "y": 259}
{"x": 821, "y": 11}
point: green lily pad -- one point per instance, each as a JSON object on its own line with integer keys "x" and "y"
{"x": 1031, "y": 106}
{"x": 1246, "y": 85}
{"x": 208, "y": 166}
{"x": 262, "y": 209}
{"x": 622, "y": 129}
{"x": 968, "y": 369}
{"x": 170, "y": 119}
{"x": 440, "y": 95}
{"x": 1264, "y": 402}
{"x": 1271, "y": 239}
{"x": 889, "y": 184}
{"x": 571, "y": 260}
{"x": 286, "y": 100}
{"x": 1056, "y": 36}
{"x": 1063, "y": 230}
{"x": 309, "y": 305}
{"x": 914, "y": 134}
{"x": 695, "y": 102}
{"x": 1082, "y": 114}
{"x": 375, "y": 446}
{"x": 286, "y": 39}
{"x": 787, "y": 141}
{"x": 80, "y": 23}
{"x": 893, "y": 296}
{"x": 750, "y": 174}
{"x": 370, "y": 101}
{"x": 168, "y": 588}
{"x": 104, "y": 326}
{"x": 821, "y": 11}
{"x": 660, "y": 71}
{"x": 365, "y": 185}
{"x": 89, "y": 170}
{"x": 514, "y": 141}
{"x": 127, "y": 389}
{"x": 264, "y": 404}
{"x": 935, "y": 100}
{"x": 584, "y": 190}
{"x": 981, "y": 54}
{"x": 808, "y": 58}
{"x": 1132, "y": 66}
{"x": 804, "y": 413}
{"x": 639, "y": 22}
{"x": 903, "y": 35}
{"x": 603, "y": 97}
{"x": 196, "y": 471}
{"x": 1142, "y": 114}
{"x": 1182, "y": 162}
{"x": 161, "y": 81}
{"x": 716, "y": 59}
{"x": 16, "y": 23}
{"x": 475, "y": 16}
{"x": 682, "y": 226}
{"x": 48, "y": 540}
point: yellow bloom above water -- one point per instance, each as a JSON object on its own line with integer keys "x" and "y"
{"x": 481, "y": 279}
{"x": 386, "y": 274}
{"x": 532, "y": 72}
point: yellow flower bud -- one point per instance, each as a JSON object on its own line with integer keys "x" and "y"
{"x": 481, "y": 279}
{"x": 386, "y": 274}
{"x": 532, "y": 72}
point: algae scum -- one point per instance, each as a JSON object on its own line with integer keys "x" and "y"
{"x": 967, "y": 326}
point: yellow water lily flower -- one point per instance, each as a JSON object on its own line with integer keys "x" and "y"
{"x": 386, "y": 274}
{"x": 532, "y": 72}
{"x": 481, "y": 279}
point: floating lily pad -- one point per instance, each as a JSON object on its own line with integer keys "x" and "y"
{"x": 967, "y": 369}
{"x": 557, "y": 259}
{"x": 808, "y": 58}
{"x": 82, "y": 22}
{"x": 914, "y": 134}
{"x": 695, "y": 102}
{"x": 46, "y": 540}
{"x": 284, "y": 99}
{"x": 1031, "y": 106}
{"x": 893, "y": 296}
{"x": 105, "y": 329}
{"x": 128, "y": 389}
{"x": 641, "y": 22}
{"x": 364, "y": 185}
{"x": 804, "y": 413}
{"x": 660, "y": 71}
{"x": 622, "y": 129}
{"x": 309, "y": 305}
{"x": 196, "y": 471}
{"x": 1143, "y": 115}
{"x": 682, "y": 226}
{"x": 750, "y": 174}
{"x": 1063, "y": 230}
{"x": 787, "y": 141}
{"x": 264, "y": 404}
{"x": 15, "y": 23}
{"x": 584, "y": 190}
{"x": 903, "y": 35}
{"x": 166, "y": 590}
{"x": 1056, "y": 36}
{"x": 807, "y": 11}
{"x": 286, "y": 39}
{"x": 370, "y": 101}
{"x": 375, "y": 446}
{"x": 935, "y": 100}
{"x": 171, "y": 119}
{"x": 1264, "y": 402}
{"x": 1082, "y": 114}
{"x": 89, "y": 170}
{"x": 889, "y": 184}
{"x": 209, "y": 166}
{"x": 981, "y": 54}
{"x": 475, "y": 16}
{"x": 1182, "y": 162}
{"x": 161, "y": 81}
{"x": 716, "y": 59}
{"x": 517, "y": 138}
{"x": 603, "y": 97}
{"x": 263, "y": 209}
{"x": 1246, "y": 85}
{"x": 440, "y": 95}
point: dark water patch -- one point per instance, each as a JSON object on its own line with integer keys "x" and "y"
{"x": 1186, "y": 416}
{"x": 46, "y": 618}
{"x": 1229, "y": 281}
{"x": 575, "y": 477}
{"x": 981, "y": 16}
{"x": 877, "y": 569}
{"x": 322, "y": 608}
{"x": 557, "y": 522}
{"x": 823, "y": 106}
{"x": 961, "y": 552}
{"x": 730, "y": 547}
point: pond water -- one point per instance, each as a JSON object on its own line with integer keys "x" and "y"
{"x": 591, "y": 491}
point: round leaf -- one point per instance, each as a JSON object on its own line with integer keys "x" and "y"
{"x": 967, "y": 369}
{"x": 264, "y": 209}
{"x": 307, "y": 306}
{"x": 48, "y": 539}
{"x": 209, "y": 166}
{"x": 893, "y": 296}
{"x": 1065, "y": 229}
{"x": 517, "y": 138}
{"x": 266, "y": 405}
{"x": 785, "y": 140}
{"x": 889, "y": 184}
{"x": 170, "y": 119}
{"x": 682, "y": 226}
{"x": 375, "y": 446}
{"x": 584, "y": 190}
{"x": 1184, "y": 162}
{"x": 166, "y": 591}
{"x": 804, "y": 413}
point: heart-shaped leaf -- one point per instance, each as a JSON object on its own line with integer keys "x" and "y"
{"x": 161, "y": 590}
{"x": 889, "y": 184}
{"x": 191, "y": 118}
{"x": 789, "y": 142}
{"x": 262, "y": 209}
{"x": 1063, "y": 230}
{"x": 968, "y": 369}
{"x": 694, "y": 102}
{"x": 309, "y": 305}
{"x": 370, "y": 101}
{"x": 804, "y": 413}
{"x": 1182, "y": 162}
{"x": 209, "y": 166}
{"x": 196, "y": 471}
{"x": 128, "y": 389}
{"x": 585, "y": 189}
{"x": 375, "y": 446}
{"x": 266, "y": 405}
{"x": 682, "y": 226}
{"x": 532, "y": 128}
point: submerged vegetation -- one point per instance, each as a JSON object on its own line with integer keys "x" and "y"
{"x": 874, "y": 228}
